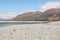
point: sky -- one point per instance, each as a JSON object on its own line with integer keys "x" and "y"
{"x": 11, "y": 8}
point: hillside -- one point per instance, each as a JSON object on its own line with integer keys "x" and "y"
{"x": 29, "y": 16}
{"x": 50, "y": 14}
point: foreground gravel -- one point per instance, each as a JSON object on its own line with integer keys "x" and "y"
{"x": 30, "y": 32}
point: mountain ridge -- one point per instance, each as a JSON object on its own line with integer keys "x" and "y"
{"x": 48, "y": 15}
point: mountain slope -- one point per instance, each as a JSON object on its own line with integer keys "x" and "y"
{"x": 50, "y": 14}
{"x": 29, "y": 16}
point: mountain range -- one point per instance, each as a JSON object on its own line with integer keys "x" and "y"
{"x": 48, "y": 15}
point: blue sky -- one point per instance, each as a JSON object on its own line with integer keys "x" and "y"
{"x": 18, "y": 6}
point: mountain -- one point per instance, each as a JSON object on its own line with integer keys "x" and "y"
{"x": 5, "y": 19}
{"x": 50, "y": 14}
{"x": 29, "y": 16}
{"x": 1, "y": 19}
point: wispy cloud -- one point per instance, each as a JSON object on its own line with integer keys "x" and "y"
{"x": 8, "y": 15}
{"x": 49, "y": 5}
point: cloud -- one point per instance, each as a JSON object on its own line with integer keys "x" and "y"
{"x": 27, "y": 11}
{"x": 8, "y": 15}
{"x": 49, "y": 5}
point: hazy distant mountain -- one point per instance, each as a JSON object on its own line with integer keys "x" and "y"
{"x": 1, "y": 19}
{"x": 50, "y": 14}
{"x": 5, "y": 19}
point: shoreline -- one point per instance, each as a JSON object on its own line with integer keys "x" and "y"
{"x": 30, "y": 32}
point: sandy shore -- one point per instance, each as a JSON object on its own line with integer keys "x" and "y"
{"x": 30, "y": 32}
